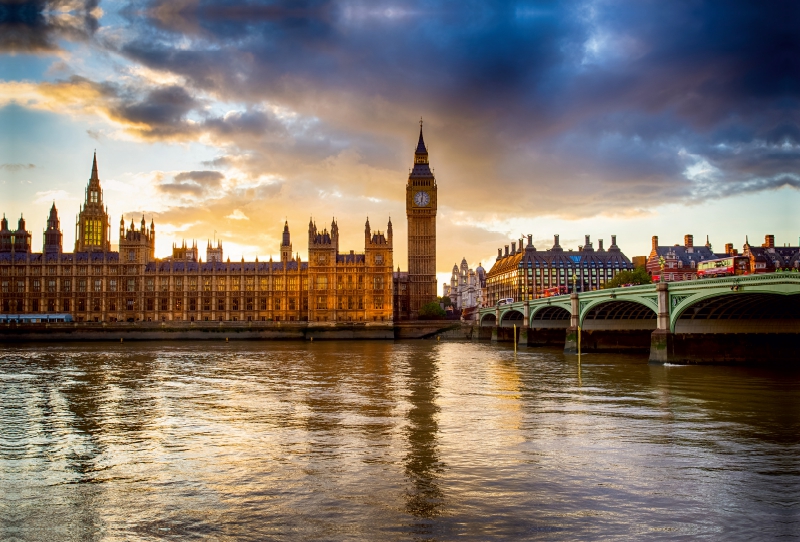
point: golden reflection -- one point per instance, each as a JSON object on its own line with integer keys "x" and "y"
{"x": 505, "y": 381}
{"x": 423, "y": 466}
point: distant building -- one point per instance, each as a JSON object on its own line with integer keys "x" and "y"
{"x": 680, "y": 261}
{"x": 768, "y": 258}
{"x": 466, "y": 288}
{"x": 522, "y": 274}
{"x": 639, "y": 261}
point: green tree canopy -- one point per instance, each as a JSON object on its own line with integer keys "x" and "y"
{"x": 637, "y": 276}
{"x": 446, "y": 301}
{"x": 431, "y": 311}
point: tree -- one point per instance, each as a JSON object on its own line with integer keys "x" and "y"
{"x": 637, "y": 276}
{"x": 431, "y": 311}
{"x": 446, "y": 301}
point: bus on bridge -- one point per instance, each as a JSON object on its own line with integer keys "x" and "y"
{"x": 724, "y": 267}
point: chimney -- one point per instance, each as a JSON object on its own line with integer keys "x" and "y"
{"x": 499, "y": 253}
{"x": 530, "y": 240}
{"x": 769, "y": 241}
{"x": 555, "y": 242}
{"x": 729, "y": 249}
{"x": 614, "y": 241}
{"x": 506, "y": 250}
{"x": 600, "y": 245}
{"x": 521, "y": 244}
{"x": 654, "y": 245}
{"x": 513, "y": 247}
{"x": 587, "y": 244}
{"x": 688, "y": 241}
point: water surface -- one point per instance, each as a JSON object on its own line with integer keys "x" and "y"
{"x": 390, "y": 441}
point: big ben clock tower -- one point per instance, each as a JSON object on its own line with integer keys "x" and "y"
{"x": 421, "y": 213}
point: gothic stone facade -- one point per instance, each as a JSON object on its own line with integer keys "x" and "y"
{"x": 421, "y": 206}
{"x": 97, "y": 284}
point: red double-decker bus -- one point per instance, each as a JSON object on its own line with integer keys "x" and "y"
{"x": 723, "y": 267}
{"x": 556, "y": 290}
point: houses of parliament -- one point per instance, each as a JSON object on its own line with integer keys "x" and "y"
{"x": 96, "y": 284}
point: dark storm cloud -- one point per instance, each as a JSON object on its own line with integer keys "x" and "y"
{"x": 161, "y": 111}
{"x": 613, "y": 96}
{"x": 38, "y": 25}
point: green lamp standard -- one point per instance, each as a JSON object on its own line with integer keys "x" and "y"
{"x": 574, "y": 278}
{"x": 662, "y": 262}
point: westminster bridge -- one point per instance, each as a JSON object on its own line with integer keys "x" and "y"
{"x": 736, "y": 319}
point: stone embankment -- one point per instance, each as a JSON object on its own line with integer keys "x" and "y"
{"x": 159, "y": 331}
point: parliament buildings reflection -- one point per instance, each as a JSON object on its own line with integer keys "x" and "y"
{"x": 94, "y": 283}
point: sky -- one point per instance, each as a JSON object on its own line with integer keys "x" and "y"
{"x": 222, "y": 120}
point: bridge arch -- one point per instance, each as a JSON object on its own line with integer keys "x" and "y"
{"x": 618, "y": 314}
{"x": 511, "y": 317}
{"x": 739, "y": 312}
{"x": 488, "y": 319}
{"x": 549, "y": 316}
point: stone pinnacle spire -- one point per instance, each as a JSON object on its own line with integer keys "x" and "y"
{"x": 94, "y": 167}
{"x": 421, "y": 148}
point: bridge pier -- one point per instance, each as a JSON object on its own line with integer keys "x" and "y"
{"x": 571, "y": 340}
{"x": 660, "y": 346}
{"x": 494, "y": 334}
{"x": 661, "y": 338}
{"x": 523, "y": 335}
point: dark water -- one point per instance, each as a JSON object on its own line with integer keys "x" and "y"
{"x": 390, "y": 441}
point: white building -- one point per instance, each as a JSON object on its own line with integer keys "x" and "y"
{"x": 466, "y": 289}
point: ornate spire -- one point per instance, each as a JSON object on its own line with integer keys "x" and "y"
{"x": 286, "y": 240}
{"x": 95, "y": 177}
{"x": 421, "y": 148}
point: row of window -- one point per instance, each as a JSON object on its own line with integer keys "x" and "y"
{"x": 194, "y": 304}
{"x": 50, "y": 286}
{"x": 36, "y": 270}
{"x": 192, "y": 284}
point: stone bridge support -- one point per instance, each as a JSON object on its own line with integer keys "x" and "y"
{"x": 571, "y": 342}
{"x": 661, "y": 339}
{"x": 523, "y": 331}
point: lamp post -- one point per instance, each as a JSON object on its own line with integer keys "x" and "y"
{"x": 662, "y": 262}
{"x": 574, "y": 278}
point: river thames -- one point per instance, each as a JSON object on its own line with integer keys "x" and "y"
{"x": 413, "y": 440}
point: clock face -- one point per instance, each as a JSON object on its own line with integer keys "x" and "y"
{"x": 422, "y": 198}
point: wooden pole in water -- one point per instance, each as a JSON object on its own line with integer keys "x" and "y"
{"x": 579, "y": 345}
{"x": 515, "y": 338}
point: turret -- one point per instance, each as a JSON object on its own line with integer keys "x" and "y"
{"x": 52, "y": 235}
{"x": 286, "y": 244}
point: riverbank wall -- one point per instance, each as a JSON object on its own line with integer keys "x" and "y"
{"x": 221, "y": 331}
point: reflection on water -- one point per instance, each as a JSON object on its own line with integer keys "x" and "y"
{"x": 424, "y": 496}
{"x": 381, "y": 440}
